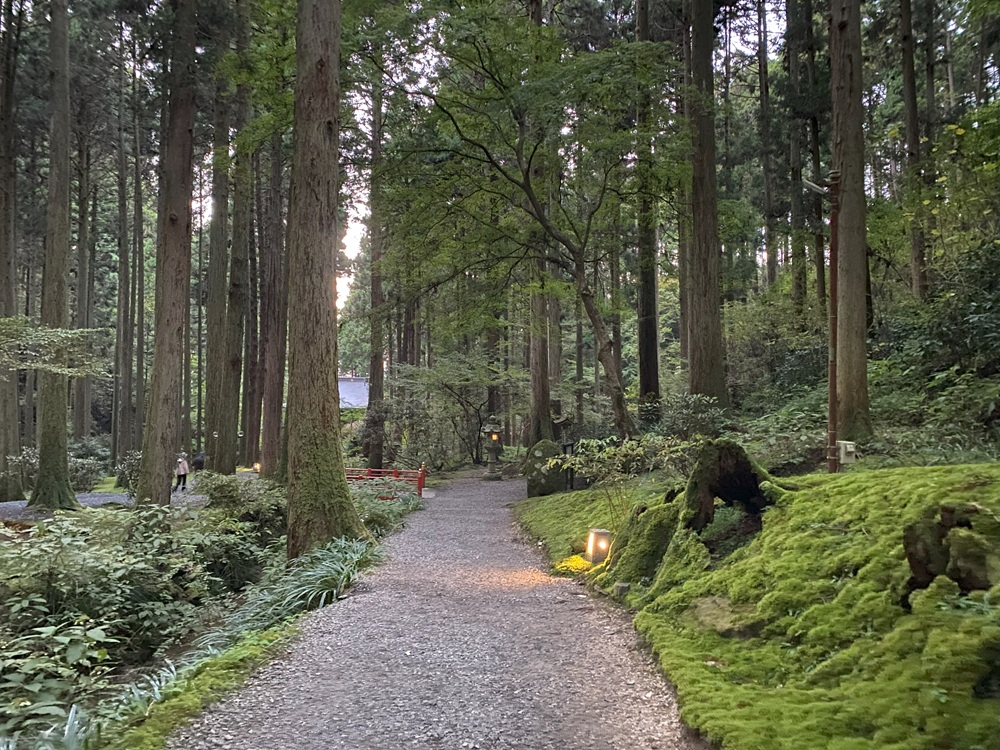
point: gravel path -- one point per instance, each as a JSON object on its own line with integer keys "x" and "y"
{"x": 459, "y": 640}
{"x": 18, "y": 510}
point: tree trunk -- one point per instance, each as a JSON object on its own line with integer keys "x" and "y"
{"x": 770, "y": 244}
{"x": 795, "y": 23}
{"x": 541, "y": 409}
{"x": 375, "y": 413}
{"x": 253, "y": 356}
{"x": 274, "y": 305}
{"x": 319, "y": 503}
{"x": 853, "y": 414}
{"x": 122, "y": 441}
{"x": 218, "y": 259}
{"x": 81, "y": 386}
{"x": 173, "y": 266}
{"x": 229, "y": 420}
{"x": 52, "y": 488}
{"x": 139, "y": 277}
{"x": 706, "y": 355}
{"x": 29, "y": 435}
{"x": 10, "y": 442}
{"x": 624, "y": 425}
{"x": 819, "y": 261}
{"x": 918, "y": 276}
{"x": 648, "y": 328}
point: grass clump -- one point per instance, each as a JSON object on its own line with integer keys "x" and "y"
{"x": 806, "y": 633}
{"x": 186, "y": 697}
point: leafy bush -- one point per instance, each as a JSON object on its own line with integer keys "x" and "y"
{"x": 84, "y": 473}
{"x": 47, "y": 670}
{"x": 127, "y": 471}
{"x": 382, "y": 504}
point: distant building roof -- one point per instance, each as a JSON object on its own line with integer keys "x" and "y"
{"x": 353, "y": 392}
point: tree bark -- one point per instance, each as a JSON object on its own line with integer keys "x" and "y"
{"x": 10, "y": 440}
{"x": 139, "y": 275}
{"x": 81, "y": 385}
{"x": 853, "y": 413}
{"x": 218, "y": 259}
{"x": 763, "y": 77}
{"x": 319, "y": 502}
{"x": 541, "y": 408}
{"x": 122, "y": 440}
{"x": 918, "y": 276}
{"x": 173, "y": 267}
{"x": 819, "y": 261}
{"x": 274, "y": 305}
{"x": 375, "y": 413}
{"x": 798, "y": 238}
{"x": 52, "y": 488}
{"x": 228, "y": 423}
{"x": 648, "y": 328}
{"x": 706, "y": 355}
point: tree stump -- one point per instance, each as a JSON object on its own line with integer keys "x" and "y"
{"x": 723, "y": 471}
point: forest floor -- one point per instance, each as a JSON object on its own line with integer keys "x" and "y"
{"x": 459, "y": 640}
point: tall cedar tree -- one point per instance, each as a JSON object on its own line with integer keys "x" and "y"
{"x": 649, "y": 343}
{"x": 10, "y": 484}
{"x": 173, "y": 267}
{"x": 274, "y": 306}
{"x": 319, "y": 502}
{"x": 706, "y": 356}
{"x": 853, "y": 413}
{"x": 227, "y": 422}
{"x": 218, "y": 259}
{"x": 375, "y": 414}
{"x": 52, "y": 489}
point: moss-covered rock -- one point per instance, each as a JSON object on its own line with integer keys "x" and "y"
{"x": 542, "y": 479}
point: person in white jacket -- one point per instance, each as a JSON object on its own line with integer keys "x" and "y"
{"x": 182, "y": 470}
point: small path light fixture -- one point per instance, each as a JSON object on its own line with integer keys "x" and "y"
{"x": 598, "y": 544}
{"x": 491, "y": 431}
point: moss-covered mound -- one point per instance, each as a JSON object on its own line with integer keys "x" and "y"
{"x": 812, "y": 635}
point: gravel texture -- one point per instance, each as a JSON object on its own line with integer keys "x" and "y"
{"x": 459, "y": 640}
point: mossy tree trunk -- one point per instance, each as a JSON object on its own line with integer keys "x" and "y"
{"x": 723, "y": 471}
{"x": 52, "y": 489}
{"x": 319, "y": 502}
{"x": 173, "y": 268}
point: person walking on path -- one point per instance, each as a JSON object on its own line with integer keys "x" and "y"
{"x": 182, "y": 470}
{"x": 460, "y": 639}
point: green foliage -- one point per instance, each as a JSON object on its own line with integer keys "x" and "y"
{"x": 47, "y": 670}
{"x": 84, "y": 473}
{"x": 382, "y": 504}
{"x": 799, "y": 638}
{"x": 127, "y": 471}
{"x": 25, "y": 345}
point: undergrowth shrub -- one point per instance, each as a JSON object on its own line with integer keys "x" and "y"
{"x": 84, "y": 473}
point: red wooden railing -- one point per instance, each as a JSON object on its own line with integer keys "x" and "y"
{"x": 416, "y": 477}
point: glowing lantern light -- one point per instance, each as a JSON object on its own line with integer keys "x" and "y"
{"x": 598, "y": 544}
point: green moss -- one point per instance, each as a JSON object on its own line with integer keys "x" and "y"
{"x": 572, "y": 566}
{"x": 799, "y": 638}
{"x": 639, "y": 547}
{"x": 209, "y": 682}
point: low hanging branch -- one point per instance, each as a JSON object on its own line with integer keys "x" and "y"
{"x": 25, "y": 346}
